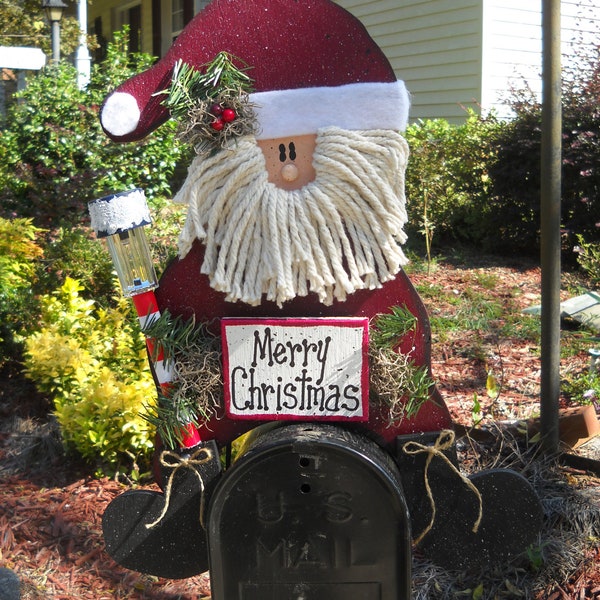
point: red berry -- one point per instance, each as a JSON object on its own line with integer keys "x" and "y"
{"x": 217, "y": 124}
{"x": 228, "y": 115}
{"x": 216, "y": 109}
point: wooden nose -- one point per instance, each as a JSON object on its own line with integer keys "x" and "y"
{"x": 289, "y": 172}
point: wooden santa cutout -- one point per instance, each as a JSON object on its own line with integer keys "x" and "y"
{"x": 298, "y": 216}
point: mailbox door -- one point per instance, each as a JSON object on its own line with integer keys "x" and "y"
{"x": 310, "y": 512}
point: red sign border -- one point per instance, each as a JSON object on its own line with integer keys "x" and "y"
{"x": 297, "y": 322}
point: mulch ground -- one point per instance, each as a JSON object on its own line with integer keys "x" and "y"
{"x": 50, "y": 510}
{"x": 52, "y": 538}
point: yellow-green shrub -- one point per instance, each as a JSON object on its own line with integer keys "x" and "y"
{"x": 93, "y": 363}
{"x": 18, "y": 307}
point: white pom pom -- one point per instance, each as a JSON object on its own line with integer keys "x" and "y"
{"x": 120, "y": 114}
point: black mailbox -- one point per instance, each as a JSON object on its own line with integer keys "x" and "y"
{"x": 310, "y": 512}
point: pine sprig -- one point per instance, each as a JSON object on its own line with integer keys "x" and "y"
{"x": 170, "y": 335}
{"x": 197, "y": 99}
{"x": 398, "y": 383}
{"x": 196, "y": 388}
{"x": 388, "y": 329}
{"x": 395, "y": 380}
{"x": 169, "y": 417}
{"x": 190, "y": 86}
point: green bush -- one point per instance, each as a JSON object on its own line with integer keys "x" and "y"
{"x": 82, "y": 347}
{"x": 516, "y": 173}
{"x": 74, "y": 252}
{"x": 588, "y": 258}
{"x": 54, "y": 156}
{"x": 92, "y": 362}
{"x": 515, "y": 177}
{"x": 18, "y": 306}
{"x": 447, "y": 179}
{"x": 34, "y": 262}
{"x": 479, "y": 182}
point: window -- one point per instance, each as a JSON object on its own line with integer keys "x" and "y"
{"x": 132, "y": 16}
{"x": 177, "y": 14}
{"x": 182, "y": 13}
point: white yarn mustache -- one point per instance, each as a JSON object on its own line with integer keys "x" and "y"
{"x": 338, "y": 234}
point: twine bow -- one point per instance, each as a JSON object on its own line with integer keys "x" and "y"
{"x": 175, "y": 462}
{"x": 444, "y": 442}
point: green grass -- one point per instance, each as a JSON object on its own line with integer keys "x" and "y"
{"x": 481, "y": 318}
{"x": 582, "y": 388}
{"x": 475, "y": 307}
{"x": 489, "y": 281}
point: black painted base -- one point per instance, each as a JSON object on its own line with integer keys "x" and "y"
{"x": 176, "y": 546}
{"x": 511, "y": 516}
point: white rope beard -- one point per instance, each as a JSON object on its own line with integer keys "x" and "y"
{"x": 338, "y": 234}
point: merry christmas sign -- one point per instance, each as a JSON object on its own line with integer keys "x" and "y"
{"x": 296, "y": 368}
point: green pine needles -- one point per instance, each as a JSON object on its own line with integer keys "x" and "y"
{"x": 196, "y": 392}
{"x": 197, "y": 388}
{"x": 189, "y": 86}
{"x": 394, "y": 379}
{"x": 210, "y": 105}
{"x": 389, "y": 328}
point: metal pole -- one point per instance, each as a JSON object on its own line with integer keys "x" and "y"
{"x": 56, "y": 42}
{"x": 550, "y": 224}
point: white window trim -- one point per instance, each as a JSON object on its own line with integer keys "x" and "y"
{"x": 166, "y": 33}
{"x": 120, "y": 10}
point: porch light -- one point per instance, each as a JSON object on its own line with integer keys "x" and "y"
{"x": 54, "y": 9}
{"x": 54, "y": 12}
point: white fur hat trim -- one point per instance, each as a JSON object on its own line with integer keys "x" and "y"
{"x": 355, "y": 106}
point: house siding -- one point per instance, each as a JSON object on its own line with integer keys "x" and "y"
{"x": 581, "y": 27}
{"x": 434, "y": 46}
{"x": 512, "y": 49}
{"x": 455, "y": 54}
{"x": 452, "y": 54}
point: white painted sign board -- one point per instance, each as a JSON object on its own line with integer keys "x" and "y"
{"x": 294, "y": 369}
{"x": 19, "y": 57}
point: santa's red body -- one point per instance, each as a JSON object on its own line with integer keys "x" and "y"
{"x": 185, "y": 291}
{"x": 313, "y": 65}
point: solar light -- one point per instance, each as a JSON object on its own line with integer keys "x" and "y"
{"x": 120, "y": 219}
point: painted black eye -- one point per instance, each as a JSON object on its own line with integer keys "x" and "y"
{"x": 282, "y": 152}
{"x": 292, "y": 151}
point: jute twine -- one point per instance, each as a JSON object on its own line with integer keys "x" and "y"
{"x": 444, "y": 442}
{"x": 175, "y": 461}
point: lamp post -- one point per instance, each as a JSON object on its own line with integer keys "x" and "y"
{"x": 550, "y": 225}
{"x": 54, "y": 12}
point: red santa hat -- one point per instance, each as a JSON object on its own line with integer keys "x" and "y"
{"x": 313, "y": 64}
